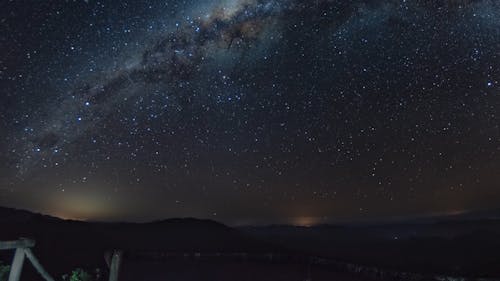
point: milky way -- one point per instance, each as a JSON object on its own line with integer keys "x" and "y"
{"x": 167, "y": 65}
{"x": 250, "y": 110}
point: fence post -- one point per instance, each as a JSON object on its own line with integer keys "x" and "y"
{"x": 114, "y": 269}
{"x": 17, "y": 265}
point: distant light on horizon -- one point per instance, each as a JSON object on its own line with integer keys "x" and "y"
{"x": 84, "y": 206}
{"x": 306, "y": 221}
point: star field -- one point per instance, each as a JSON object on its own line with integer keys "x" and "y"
{"x": 250, "y": 111}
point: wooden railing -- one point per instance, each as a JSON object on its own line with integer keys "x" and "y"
{"x": 114, "y": 265}
{"x": 23, "y": 249}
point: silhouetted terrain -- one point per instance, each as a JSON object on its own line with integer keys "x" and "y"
{"x": 458, "y": 246}
{"x": 462, "y": 245}
{"x": 63, "y": 245}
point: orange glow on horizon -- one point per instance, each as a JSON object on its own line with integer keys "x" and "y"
{"x": 306, "y": 221}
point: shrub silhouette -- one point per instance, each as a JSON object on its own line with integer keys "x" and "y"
{"x": 79, "y": 275}
{"x": 4, "y": 271}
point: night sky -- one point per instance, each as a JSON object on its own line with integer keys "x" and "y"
{"x": 250, "y": 111}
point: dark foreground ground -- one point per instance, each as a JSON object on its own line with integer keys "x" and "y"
{"x": 230, "y": 271}
{"x": 444, "y": 249}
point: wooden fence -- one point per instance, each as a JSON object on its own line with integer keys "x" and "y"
{"x": 22, "y": 249}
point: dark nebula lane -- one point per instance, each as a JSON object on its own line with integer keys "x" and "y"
{"x": 250, "y": 111}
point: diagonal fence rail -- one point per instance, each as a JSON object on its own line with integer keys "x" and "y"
{"x": 23, "y": 250}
